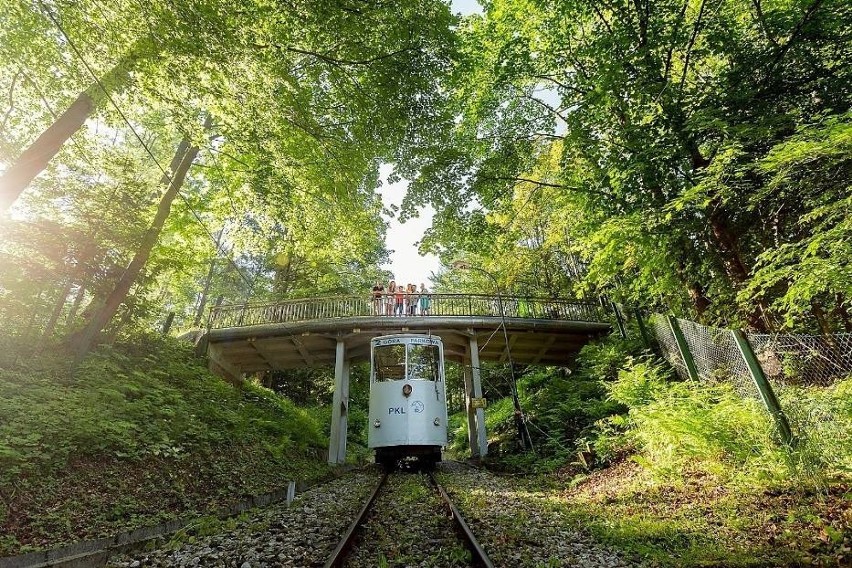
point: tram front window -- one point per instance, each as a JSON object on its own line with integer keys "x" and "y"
{"x": 423, "y": 362}
{"x": 390, "y": 362}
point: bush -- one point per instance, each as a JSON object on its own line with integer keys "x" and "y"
{"x": 561, "y": 406}
{"x": 821, "y": 420}
{"x": 639, "y": 383}
{"x": 675, "y": 427}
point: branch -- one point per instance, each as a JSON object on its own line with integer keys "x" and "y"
{"x": 11, "y": 100}
{"x": 549, "y": 108}
{"x": 670, "y": 52}
{"x": 695, "y": 30}
{"x": 794, "y": 36}
{"x": 602, "y": 18}
{"x": 337, "y": 61}
{"x": 565, "y": 86}
{"x": 758, "y": 9}
{"x": 518, "y": 180}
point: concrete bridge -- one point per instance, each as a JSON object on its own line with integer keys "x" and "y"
{"x": 336, "y": 331}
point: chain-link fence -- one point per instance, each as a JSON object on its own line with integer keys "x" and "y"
{"x": 793, "y": 359}
{"x": 717, "y": 357}
{"x": 787, "y": 371}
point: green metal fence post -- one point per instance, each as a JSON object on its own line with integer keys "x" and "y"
{"x": 763, "y": 387}
{"x": 683, "y": 347}
{"x": 619, "y": 321}
{"x": 646, "y": 338}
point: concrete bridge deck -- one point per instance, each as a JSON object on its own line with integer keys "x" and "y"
{"x": 337, "y": 331}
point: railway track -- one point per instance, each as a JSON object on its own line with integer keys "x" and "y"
{"x": 408, "y": 519}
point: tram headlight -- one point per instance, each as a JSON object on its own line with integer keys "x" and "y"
{"x": 377, "y": 423}
{"x": 406, "y": 390}
{"x": 437, "y": 422}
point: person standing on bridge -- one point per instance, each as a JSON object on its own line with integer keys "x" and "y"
{"x": 425, "y": 301}
{"x": 411, "y": 290}
{"x": 389, "y": 297}
{"x": 378, "y": 300}
{"x": 399, "y": 300}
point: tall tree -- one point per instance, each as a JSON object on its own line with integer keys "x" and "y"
{"x": 662, "y": 113}
{"x": 173, "y": 180}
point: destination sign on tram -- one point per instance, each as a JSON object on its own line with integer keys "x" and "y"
{"x": 409, "y": 340}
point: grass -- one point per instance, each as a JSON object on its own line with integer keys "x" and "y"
{"x": 708, "y": 482}
{"x": 702, "y": 520}
{"x": 138, "y": 434}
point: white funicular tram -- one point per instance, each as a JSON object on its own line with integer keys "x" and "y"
{"x": 408, "y": 403}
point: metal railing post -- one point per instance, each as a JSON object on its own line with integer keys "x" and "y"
{"x": 763, "y": 387}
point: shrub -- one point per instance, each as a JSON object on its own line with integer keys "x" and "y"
{"x": 676, "y": 426}
{"x": 640, "y": 383}
{"x": 821, "y": 420}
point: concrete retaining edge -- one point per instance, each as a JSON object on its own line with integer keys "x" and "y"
{"x": 95, "y": 553}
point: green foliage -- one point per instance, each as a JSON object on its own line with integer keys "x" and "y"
{"x": 562, "y": 407}
{"x": 688, "y": 156}
{"x": 821, "y": 418}
{"x": 604, "y": 359}
{"x": 639, "y": 383}
{"x": 812, "y": 165}
{"x": 708, "y": 427}
{"x": 304, "y": 106}
{"x": 617, "y": 403}
{"x": 141, "y": 399}
{"x": 676, "y": 427}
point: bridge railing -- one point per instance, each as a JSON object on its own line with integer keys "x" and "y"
{"x": 461, "y": 305}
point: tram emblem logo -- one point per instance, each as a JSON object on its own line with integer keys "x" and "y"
{"x": 417, "y": 406}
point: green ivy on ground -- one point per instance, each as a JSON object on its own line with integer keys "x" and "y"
{"x": 139, "y": 433}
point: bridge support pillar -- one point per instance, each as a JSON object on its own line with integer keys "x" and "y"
{"x": 339, "y": 407}
{"x": 475, "y": 417}
{"x": 219, "y": 365}
{"x": 472, "y": 440}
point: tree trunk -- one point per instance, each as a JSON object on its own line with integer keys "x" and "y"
{"x": 726, "y": 244}
{"x": 180, "y": 165}
{"x": 202, "y": 302}
{"x": 819, "y": 315}
{"x": 57, "y": 311}
{"x": 75, "y": 306}
{"x": 843, "y": 313}
{"x": 35, "y": 158}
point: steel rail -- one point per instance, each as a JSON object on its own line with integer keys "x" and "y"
{"x": 480, "y": 557}
{"x": 339, "y": 555}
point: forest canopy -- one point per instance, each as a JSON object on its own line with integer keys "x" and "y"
{"x": 163, "y": 156}
{"x": 687, "y": 155}
{"x": 683, "y": 155}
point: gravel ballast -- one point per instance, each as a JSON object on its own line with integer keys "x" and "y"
{"x": 408, "y": 525}
{"x": 302, "y": 535}
{"x": 519, "y": 527}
